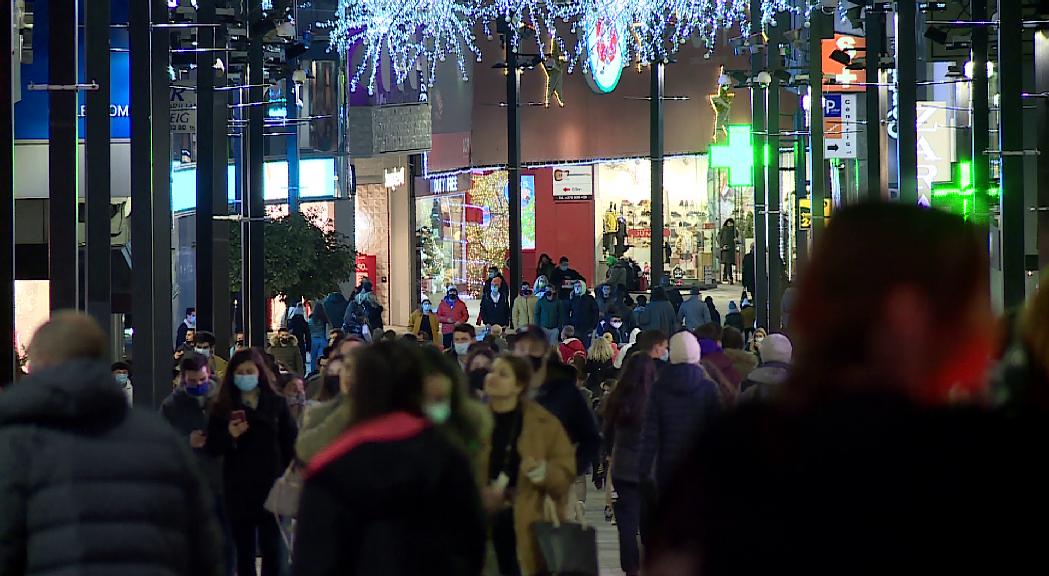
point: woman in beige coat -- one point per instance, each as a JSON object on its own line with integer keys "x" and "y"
{"x": 528, "y": 458}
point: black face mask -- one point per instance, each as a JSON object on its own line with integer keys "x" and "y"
{"x": 331, "y": 383}
{"x": 537, "y": 363}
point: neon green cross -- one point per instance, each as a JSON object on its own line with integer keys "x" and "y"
{"x": 958, "y": 195}
{"x": 737, "y": 156}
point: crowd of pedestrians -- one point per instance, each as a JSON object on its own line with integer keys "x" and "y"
{"x": 887, "y": 437}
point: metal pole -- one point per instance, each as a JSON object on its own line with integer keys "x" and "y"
{"x": 760, "y": 127}
{"x": 800, "y": 189}
{"x": 774, "y": 219}
{"x": 161, "y": 207}
{"x": 656, "y": 128}
{"x": 1041, "y": 72}
{"x": 8, "y": 354}
{"x": 147, "y": 392}
{"x": 292, "y": 107}
{"x": 98, "y": 297}
{"x": 207, "y": 166}
{"x": 220, "y": 299}
{"x": 1010, "y": 131}
{"x": 980, "y": 119}
{"x": 874, "y": 27}
{"x": 818, "y": 181}
{"x": 907, "y": 93}
{"x": 513, "y": 161}
{"x": 62, "y": 155}
{"x": 253, "y": 293}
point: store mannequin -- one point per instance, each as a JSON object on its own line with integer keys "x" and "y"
{"x": 609, "y": 227}
{"x": 621, "y": 246}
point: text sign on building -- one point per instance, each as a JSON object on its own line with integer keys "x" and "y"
{"x": 844, "y": 80}
{"x": 935, "y": 146}
{"x": 183, "y": 108}
{"x": 573, "y": 183}
{"x": 839, "y": 125}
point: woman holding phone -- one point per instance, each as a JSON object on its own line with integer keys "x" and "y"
{"x": 252, "y": 428}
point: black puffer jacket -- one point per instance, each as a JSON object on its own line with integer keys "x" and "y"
{"x": 91, "y": 487}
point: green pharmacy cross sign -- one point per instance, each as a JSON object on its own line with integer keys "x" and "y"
{"x": 737, "y": 156}
{"x": 959, "y": 197}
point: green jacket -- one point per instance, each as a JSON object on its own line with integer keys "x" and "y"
{"x": 323, "y": 423}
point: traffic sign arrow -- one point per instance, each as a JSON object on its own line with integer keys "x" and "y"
{"x": 832, "y": 147}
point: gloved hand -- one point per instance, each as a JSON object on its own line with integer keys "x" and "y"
{"x": 536, "y": 474}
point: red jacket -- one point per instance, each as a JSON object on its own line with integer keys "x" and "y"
{"x": 449, "y": 316}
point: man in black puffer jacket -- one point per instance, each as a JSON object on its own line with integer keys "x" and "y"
{"x": 87, "y": 485}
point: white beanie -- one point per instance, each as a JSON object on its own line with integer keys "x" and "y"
{"x": 684, "y": 349}
{"x": 776, "y": 348}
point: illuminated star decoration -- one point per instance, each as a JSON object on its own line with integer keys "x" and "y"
{"x": 405, "y": 31}
{"x": 554, "y": 67}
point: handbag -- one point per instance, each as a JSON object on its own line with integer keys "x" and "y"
{"x": 568, "y": 548}
{"x": 283, "y": 499}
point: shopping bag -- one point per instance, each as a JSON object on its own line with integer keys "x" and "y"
{"x": 567, "y": 548}
{"x": 283, "y": 499}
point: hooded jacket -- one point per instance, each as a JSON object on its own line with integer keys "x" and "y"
{"x": 658, "y": 315}
{"x": 290, "y": 355}
{"x": 694, "y": 313}
{"x": 186, "y": 414}
{"x": 765, "y": 383}
{"x": 563, "y": 399}
{"x": 683, "y": 401}
{"x": 613, "y": 304}
{"x": 549, "y": 314}
{"x": 91, "y": 486}
{"x": 335, "y": 307}
{"x": 451, "y": 314}
{"x": 744, "y": 362}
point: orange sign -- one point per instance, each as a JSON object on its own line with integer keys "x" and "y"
{"x": 844, "y": 80}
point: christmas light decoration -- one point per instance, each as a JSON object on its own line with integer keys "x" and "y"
{"x": 405, "y": 31}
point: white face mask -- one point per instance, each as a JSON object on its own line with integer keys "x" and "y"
{"x": 461, "y": 348}
{"x": 205, "y": 352}
{"x": 617, "y": 325}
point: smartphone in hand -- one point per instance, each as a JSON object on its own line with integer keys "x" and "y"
{"x": 238, "y": 416}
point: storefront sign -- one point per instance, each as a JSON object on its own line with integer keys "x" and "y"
{"x": 449, "y": 184}
{"x": 845, "y": 80}
{"x": 366, "y": 267}
{"x": 605, "y": 48}
{"x": 839, "y": 125}
{"x": 393, "y": 178}
{"x": 183, "y": 107}
{"x": 805, "y": 212}
{"x": 573, "y": 183}
{"x": 644, "y": 232}
{"x": 935, "y": 146}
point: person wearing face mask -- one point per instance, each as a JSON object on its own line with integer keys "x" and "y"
{"x": 495, "y": 304}
{"x": 563, "y": 279}
{"x": 122, "y": 374}
{"x": 759, "y": 335}
{"x": 478, "y": 364}
{"x": 446, "y": 403}
{"x": 204, "y": 345}
{"x": 328, "y": 416}
{"x": 609, "y": 301}
{"x": 493, "y": 273}
{"x": 612, "y": 325}
{"x": 251, "y": 428}
{"x": 188, "y": 323}
{"x": 528, "y": 458}
{"x": 423, "y": 323}
{"x": 550, "y": 315}
{"x": 451, "y": 312}
{"x": 284, "y": 347}
{"x": 523, "y": 313}
{"x": 463, "y": 336}
{"x": 582, "y": 313}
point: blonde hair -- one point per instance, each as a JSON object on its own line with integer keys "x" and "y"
{"x": 600, "y": 350}
{"x": 68, "y": 336}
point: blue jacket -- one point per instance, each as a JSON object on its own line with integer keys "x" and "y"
{"x": 684, "y": 400}
{"x": 658, "y": 315}
{"x": 335, "y": 307}
{"x": 549, "y": 313}
{"x": 695, "y": 313}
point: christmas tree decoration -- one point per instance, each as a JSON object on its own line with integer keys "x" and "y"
{"x": 489, "y": 237}
{"x": 405, "y": 32}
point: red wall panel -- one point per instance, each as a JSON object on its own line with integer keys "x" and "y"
{"x": 561, "y": 229}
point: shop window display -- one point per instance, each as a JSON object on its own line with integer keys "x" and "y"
{"x": 441, "y": 242}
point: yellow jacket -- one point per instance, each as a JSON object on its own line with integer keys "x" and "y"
{"x": 416, "y": 323}
{"x": 523, "y": 313}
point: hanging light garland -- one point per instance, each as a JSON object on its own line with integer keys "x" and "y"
{"x": 408, "y": 32}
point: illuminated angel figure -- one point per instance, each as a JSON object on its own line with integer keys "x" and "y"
{"x": 404, "y": 31}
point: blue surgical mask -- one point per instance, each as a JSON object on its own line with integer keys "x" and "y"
{"x": 564, "y": 267}
{"x": 438, "y": 412}
{"x": 246, "y": 382}
{"x": 121, "y": 379}
{"x": 199, "y": 390}
{"x": 427, "y": 307}
{"x": 461, "y": 348}
{"x": 666, "y": 356}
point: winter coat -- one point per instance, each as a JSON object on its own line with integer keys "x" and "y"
{"x": 748, "y": 271}
{"x": 185, "y": 414}
{"x": 91, "y": 486}
{"x": 618, "y": 278}
{"x": 180, "y": 334}
{"x": 542, "y": 438}
{"x": 563, "y": 399}
{"x": 524, "y": 311}
{"x": 363, "y": 310}
{"x": 674, "y": 297}
{"x": 563, "y": 281}
{"x": 624, "y": 438}
{"x": 598, "y": 372}
{"x": 682, "y": 402}
{"x": 255, "y": 460}
{"x": 451, "y": 314}
{"x": 322, "y": 423}
{"x": 416, "y": 323}
{"x": 765, "y": 383}
{"x": 713, "y": 353}
{"x": 504, "y": 288}
{"x": 549, "y": 314}
{"x": 694, "y": 313}
{"x": 658, "y": 315}
{"x": 493, "y": 312}
{"x": 604, "y": 327}
{"x": 715, "y": 316}
{"x": 571, "y": 348}
{"x": 727, "y": 240}
{"x": 582, "y": 313}
{"x": 300, "y": 328}
{"x": 744, "y": 362}
{"x": 290, "y": 354}
{"x": 421, "y": 515}
{"x": 335, "y": 307}
{"x": 735, "y": 320}
{"x": 546, "y": 270}
{"x": 611, "y": 305}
